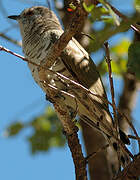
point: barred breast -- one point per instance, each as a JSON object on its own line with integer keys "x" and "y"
{"x": 35, "y": 47}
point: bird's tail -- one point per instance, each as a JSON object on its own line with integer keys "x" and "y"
{"x": 119, "y": 145}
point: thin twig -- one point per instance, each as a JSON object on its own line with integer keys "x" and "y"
{"x": 10, "y": 39}
{"x": 134, "y": 26}
{"x": 108, "y": 60}
{"x": 82, "y": 33}
{"x": 95, "y": 153}
{"x": 134, "y": 137}
{"x": 61, "y": 91}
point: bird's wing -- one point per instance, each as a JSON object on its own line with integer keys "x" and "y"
{"x": 83, "y": 69}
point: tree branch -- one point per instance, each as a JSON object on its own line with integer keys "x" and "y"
{"x": 10, "y": 39}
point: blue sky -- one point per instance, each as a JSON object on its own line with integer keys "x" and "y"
{"x": 18, "y": 94}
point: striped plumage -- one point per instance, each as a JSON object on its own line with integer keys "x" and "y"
{"x": 40, "y": 28}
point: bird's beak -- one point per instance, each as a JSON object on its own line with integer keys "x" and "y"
{"x": 15, "y": 17}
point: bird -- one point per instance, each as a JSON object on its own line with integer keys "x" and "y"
{"x": 40, "y": 29}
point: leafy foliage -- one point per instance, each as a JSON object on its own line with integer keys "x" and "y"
{"x": 137, "y": 5}
{"x": 47, "y": 131}
{"x": 88, "y": 8}
{"x": 14, "y": 128}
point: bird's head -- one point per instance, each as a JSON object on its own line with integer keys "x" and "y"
{"x": 36, "y": 16}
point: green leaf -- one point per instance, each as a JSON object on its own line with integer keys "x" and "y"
{"x": 119, "y": 67}
{"x": 41, "y": 123}
{"x": 14, "y": 129}
{"x": 88, "y": 8}
{"x": 121, "y": 48}
{"x": 134, "y": 59}
{"x": 47, "y": 131}
{"x": 111, "y": 12}
{"x": 114, "y": 16}
{"x": 97, "y": 13}
{"x": 137, "y": 5}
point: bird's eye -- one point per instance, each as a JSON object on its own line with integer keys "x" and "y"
{"x": 29, "y": 13}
